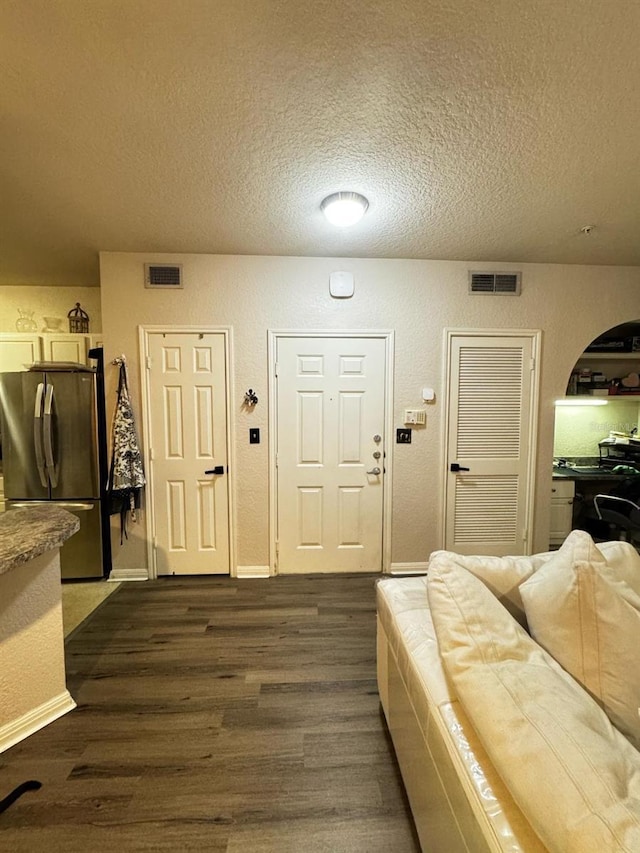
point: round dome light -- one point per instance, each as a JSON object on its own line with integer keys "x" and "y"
{"x": 345, "y": 208}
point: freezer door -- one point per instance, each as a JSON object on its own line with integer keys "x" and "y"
{"x": 81, "y": 555}
{"x": 21, "y": 399}
{"x": 70, "y": 435}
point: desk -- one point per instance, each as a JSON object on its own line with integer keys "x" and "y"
{"x": 577, "y": 486}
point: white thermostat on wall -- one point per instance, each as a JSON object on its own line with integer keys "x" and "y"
{"x": 341, "y": 284}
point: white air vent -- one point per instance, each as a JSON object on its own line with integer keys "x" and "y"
{"x": 163, "y": 276}
{"x": 495, "y": 282}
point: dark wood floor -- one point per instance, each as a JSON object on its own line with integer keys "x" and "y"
{"x": 217, "y": 715}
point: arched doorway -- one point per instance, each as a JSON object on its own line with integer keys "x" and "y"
{"x": 596, "y": 451}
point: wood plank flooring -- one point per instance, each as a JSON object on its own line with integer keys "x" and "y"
{"x": 217, "y": 714}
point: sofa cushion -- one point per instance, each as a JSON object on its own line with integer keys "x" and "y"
{"x": 575, "y": 777}
{"x": 581, "y": 611}
{"x": 412, "y": 639}
{"x": 502, "y": 575}
{"x": 623, "y": 559}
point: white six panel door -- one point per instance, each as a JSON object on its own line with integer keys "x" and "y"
{"x": 491, "y": 392}
{"x": 330, "y": 409}
{"x": 188, "y": 415}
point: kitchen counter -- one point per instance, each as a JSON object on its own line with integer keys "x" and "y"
{"x": 28, "y": 533}
{"x": 33, "y": 689}
{"x": 589, "y": 473}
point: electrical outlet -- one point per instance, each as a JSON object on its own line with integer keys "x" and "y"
{"x": 254, "y": 435}
{"x": 403, "y": 436}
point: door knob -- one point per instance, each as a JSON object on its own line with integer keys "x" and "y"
{"x": 456, "y": 467}
{"x": 375, "y": 471}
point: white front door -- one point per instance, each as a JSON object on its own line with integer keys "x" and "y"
{"x": 187, "y": 403}
{"x": 330, "y": 463}
{"x": 490, "y": 453}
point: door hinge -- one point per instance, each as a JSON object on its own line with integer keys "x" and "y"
{"x": 532, "y": 364}
{"x": 155, "y": 544}
{"x": 152, "y": 454}
{"x": 275, "y": 369}
{"x": 277, "y": 553}
{"x": 148, "y": 362}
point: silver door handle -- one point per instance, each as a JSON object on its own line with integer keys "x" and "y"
{"x": 375, "y": 471}
{"x": 37, "y": 435}
{"x": 48, "y": 436}
{"x": 72, "y": 506}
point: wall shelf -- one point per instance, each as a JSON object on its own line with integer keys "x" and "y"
{"x": 610, "y": 366}
{"x": 609, "y": 356}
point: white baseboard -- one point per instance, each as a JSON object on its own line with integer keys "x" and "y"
{"x": 129, "y": 575}
{"x": 408, "y": 568}
{"x": 33, "y": 721}
{"x": 252, "y": 572}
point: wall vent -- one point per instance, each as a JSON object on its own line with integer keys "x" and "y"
{"x": 163, "y": 276}
{"x": 495, "y": 282}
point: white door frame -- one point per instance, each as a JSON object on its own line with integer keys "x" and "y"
{"x": 388, "y": 336}
{"x": 144, "y": 333}
{"x": 536, "y": 338}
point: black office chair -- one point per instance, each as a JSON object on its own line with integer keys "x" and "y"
{"x": 621, "y": 515}
{"x": 615, "y": 515}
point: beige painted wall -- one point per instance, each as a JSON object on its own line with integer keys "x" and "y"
{"x": 48, "y": 302}
{"x": 579, "y": 429}
{"x": 419, "y": 299}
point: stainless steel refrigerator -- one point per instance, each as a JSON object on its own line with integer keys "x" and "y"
{"x": 54, "y": 451}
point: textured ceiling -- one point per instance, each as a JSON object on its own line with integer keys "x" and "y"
{"x": 487, "y": 131}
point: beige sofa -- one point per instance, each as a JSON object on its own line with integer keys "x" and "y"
{"x": 500, "y": 747}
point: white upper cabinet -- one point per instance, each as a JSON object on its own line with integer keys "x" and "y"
{"x": 18, "y": 351}
{"x": 65, "y": 347}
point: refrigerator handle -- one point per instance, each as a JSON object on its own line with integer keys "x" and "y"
{"x": 71, "y": 506}
{"x": 37, "y": 434}
{"x": 50, "y": 464}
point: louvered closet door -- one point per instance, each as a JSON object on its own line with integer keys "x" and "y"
{"x": 491, "y": 393}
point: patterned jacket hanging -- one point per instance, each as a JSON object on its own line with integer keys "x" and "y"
{"x": 126, "y": 475}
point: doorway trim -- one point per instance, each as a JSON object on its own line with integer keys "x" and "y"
{"x": 388, "y": 335}
{"x": 144, "y": 333}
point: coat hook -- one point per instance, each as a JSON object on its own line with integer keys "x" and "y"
{"x": 250, "y": 397}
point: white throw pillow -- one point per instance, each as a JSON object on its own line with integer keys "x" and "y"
{"x": 574, "y": 776}
{"x": 581, "y": 611}
{"x": 624, "y": 561}
{"x": 502, "y": 575}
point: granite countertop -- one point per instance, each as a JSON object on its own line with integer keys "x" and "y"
{"x": 27, "y": 533}
{"x": 588, "y": 473}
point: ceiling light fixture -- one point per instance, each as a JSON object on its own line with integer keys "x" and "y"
{"x": 344, "y": 208}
